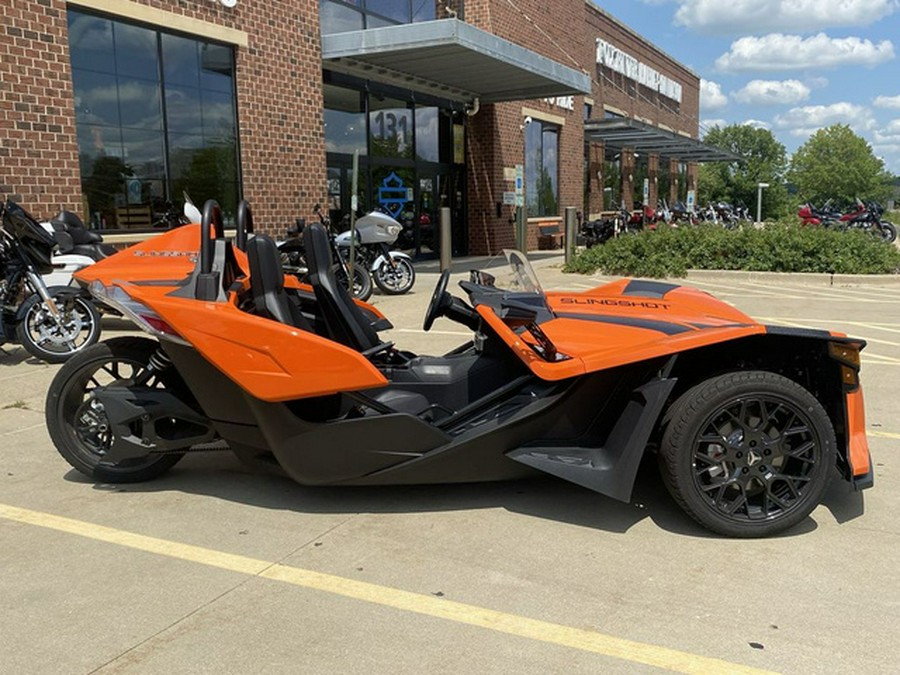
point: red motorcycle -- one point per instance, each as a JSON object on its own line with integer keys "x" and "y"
{"x": 864, "y": 216}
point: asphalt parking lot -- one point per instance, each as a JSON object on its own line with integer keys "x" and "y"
{"x": 212, "y": 568}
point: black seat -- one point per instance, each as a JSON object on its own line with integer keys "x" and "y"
{"x": 267, "y": 284}
{"x": 344, "y": 321}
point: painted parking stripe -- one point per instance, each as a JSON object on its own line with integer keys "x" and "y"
{"x": 828, "y": 295}
{"x": 480, "y": 617}
{"x": 789, "y": 322}
{"x": 883, "y": 434}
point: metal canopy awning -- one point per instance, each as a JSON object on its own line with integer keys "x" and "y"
{"x": 622, "y": 133}
{"x": 451, "y": 59}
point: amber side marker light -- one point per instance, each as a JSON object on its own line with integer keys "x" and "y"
{"x": 847, "y": 354}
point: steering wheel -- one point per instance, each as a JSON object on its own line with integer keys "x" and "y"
{"x": 438, "y": 302}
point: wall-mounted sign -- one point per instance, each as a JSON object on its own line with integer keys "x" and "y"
{"x": 564, "y": 102}
{"x": 459, "y": 144}
{"x": 618, "y": 61}
{"x": 509, "y": 173}
{"x": 509, "y": 198}
{"x": 520, "y": 179}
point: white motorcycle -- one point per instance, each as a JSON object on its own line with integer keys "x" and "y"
{"x": 392, "y": 271}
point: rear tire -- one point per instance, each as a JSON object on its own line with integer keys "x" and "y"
{"x": 747, "y": 454}
{"x": 362, "y": 282}
{"x": 888, "y": 231}
{"x": 80, "y": 431}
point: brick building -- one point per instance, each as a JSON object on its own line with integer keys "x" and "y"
{"x": 114, "y": 108}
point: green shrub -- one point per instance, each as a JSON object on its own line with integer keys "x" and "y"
{"x": 779, "y": 247}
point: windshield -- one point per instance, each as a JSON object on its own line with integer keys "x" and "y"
{"x": 517, "y": 275}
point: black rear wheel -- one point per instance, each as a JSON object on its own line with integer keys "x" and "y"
{"x": 888, "y": 231}
{"x": 747, "y": 454}
{"x": 77, "y": 422}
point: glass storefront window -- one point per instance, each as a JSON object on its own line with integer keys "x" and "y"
{"x": 428, "y": 134}
{"x": 390, "y": 128}
{"x": 640, "y": 173}
{"x": 542, "y": 169}
{"x": 155, "y": 115}
{"x": 340, "y": 16}
{"x": 345, "y": 120}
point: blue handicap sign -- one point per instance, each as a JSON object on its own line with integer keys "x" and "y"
{"x": 392, "y": 194}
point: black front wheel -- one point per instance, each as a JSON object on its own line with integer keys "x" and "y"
{"x": 77, "y": 422}
{"x": 888, "y": 231}
{"x": 747, "y": 454}
{"x": 56, "y": 337}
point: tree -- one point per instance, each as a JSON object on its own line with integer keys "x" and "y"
{"x": 837, "y": 164}
{"x": 765, "y": 161}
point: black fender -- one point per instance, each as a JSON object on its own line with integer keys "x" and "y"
{"x": 612, "y": 468}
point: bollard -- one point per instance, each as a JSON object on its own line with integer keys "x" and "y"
{"x": 446, "y": 239}
{"x": 521, "y": 230}
{"x": 570, "y": 234}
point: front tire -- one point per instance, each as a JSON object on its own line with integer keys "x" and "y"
{"x": 362, "y": 282}
{"x": 747, "y": 454}
{"x": 395, "y": 280}
{"x": 888, "y": 231}
{"x": 52, "y": 341}
{"x": 79, "y": 428}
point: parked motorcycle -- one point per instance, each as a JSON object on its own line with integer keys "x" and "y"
{"x": 294, "y": 259}
{"x": 51, "y": 322}
{"x": 865, "y": 216}
{"x": 598, "y": 231}
{"x": 376, "y": 232}
{"x": 77, "y": 247}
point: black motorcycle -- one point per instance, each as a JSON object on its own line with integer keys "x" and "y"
{"x": 599, "y": 231}
{"x": 293, "y": 258}
{"x": 52, "y": 323}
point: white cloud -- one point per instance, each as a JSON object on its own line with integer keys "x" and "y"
{"x": 889, "y": 134}
{"x": 759, "y": 16}
{"x": 711, "y": 96}
{"x": 757, "y": 124}
{"x": 792, "y": 52}
{"x": 887, "y": 102}
{"x": 806, "y": 120}
{"x": 772, "y": 92}
{"x": 706, "y": 125}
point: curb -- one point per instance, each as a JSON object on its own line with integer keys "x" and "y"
{"x": 802, "y": 278}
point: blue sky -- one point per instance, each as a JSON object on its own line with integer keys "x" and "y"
{"x": 793, "y": 66}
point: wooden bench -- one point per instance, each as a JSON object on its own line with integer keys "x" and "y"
{"x": 550, "y": 237}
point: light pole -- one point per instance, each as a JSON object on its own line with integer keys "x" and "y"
{"x": 759, "y": 188}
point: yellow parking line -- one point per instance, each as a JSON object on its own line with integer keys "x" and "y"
{"x": 883, "y": 434}
{"x": 481, "y": 617}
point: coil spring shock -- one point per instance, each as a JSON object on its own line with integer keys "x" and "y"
{"x": 159, "y": 361}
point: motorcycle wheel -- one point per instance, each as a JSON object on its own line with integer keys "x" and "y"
{"x": 362, "y": 282}
{"x": 43, "y": 337}
{"x": 395, "y": 280}
{"x": 888, "y": 231}
{"x": 78, "y": 426}
{"x": 747, "y": 454}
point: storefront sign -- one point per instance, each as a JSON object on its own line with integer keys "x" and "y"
{"x": 565, "y": 102}
{"x": 459, "y": 144}
{"x": 617, "y": 60}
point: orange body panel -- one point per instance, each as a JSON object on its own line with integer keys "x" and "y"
{"x": 857, "y": 443}
{"x": 602, "y": 328}
{"x": 270, "y": 360}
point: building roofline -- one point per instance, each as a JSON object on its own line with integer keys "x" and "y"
{"x": 592, "y": 6}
